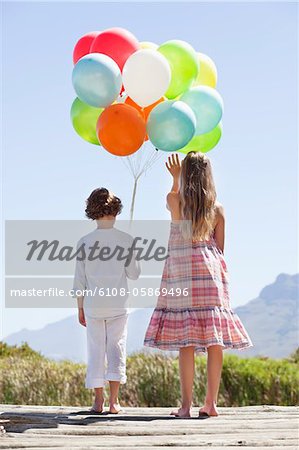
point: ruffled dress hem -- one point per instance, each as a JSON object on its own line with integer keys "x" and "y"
{"x": 173, "y": 328}
{"x": 198, "y": 349}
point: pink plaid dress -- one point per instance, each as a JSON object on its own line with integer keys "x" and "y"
{"x": 193, "y": 308}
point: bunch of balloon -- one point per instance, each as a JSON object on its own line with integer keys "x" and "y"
{"x": 134, "y": 98}
{"x": 190, "y": 119}
{"x": 103, "y": 63}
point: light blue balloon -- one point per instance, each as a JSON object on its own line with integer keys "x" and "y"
{"x": 97, "y": 80}
{"x": 171, "y": 125}
{"x": 207, "y": 105}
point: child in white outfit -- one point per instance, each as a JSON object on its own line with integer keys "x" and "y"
{"x": 101, "y": 288}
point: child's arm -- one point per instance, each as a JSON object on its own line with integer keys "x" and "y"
{"x": 219, "y": 233}
{"x": 80, "y": 285}
{"x": 133, "y": 268}
{"x": 81, "y": 315}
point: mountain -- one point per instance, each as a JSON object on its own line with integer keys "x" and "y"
{"x": 65, "y": 339}
{"x": 271, "y": 321}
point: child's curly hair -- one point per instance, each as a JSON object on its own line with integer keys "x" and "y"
{"x": 102, "y": 203}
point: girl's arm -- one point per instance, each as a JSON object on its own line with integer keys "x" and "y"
{"x": 173, "y": 197}
{"x": 219, "y": 233}
{"x": 174, "y": 168}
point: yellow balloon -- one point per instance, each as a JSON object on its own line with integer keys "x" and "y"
{"x": 207, "y": 74}
{"x": 148, "y": 45}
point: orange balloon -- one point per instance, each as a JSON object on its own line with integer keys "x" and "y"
{"x": 144, "y": 111}
{"x": 121, "y": 129}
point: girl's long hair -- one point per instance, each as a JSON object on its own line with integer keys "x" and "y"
{"x": 197, "y": 197}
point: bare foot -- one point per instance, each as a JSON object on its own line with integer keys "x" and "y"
{"x": 115, "y": 408}
{"x": 183, "y": 413}
{"x": 98, "y": 406}
{"x": 209, "y": 409}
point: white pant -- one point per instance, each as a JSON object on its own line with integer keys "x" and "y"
{"x": 106, "y": 340}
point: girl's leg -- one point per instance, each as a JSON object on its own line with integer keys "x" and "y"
{"x": 96, "y": 347}
{"x": 186, "y": 362}
{"x": 214, "y": 368}
{"x": 116, "y": 358}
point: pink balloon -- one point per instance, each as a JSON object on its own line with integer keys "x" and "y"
{"x": 82, "y": 47}
{"x": 117, "y": 43}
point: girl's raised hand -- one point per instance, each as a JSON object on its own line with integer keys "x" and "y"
{"x": 174, "y": 165}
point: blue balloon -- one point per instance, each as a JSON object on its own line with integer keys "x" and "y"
{"x": 207, "y": 105}
{"x": 97, "y": 80}
{"x": 171, "y": 125}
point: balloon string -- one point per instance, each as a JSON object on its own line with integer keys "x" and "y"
{"x": 133, "y": 198}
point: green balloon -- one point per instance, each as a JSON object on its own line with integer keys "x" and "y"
{"x": 184, "y": 66}
{"x": 84, "y": 119}
{"x": 204, "y": 142}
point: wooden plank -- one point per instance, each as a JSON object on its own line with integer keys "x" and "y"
{"x": 110, "y": 422}
{"x": 150, "y": 411}
{"x": 153, "y": 429}
{"x": 257, "y": 427}
{"x": 124, "y": 442}
{"x": 295, "y": 447}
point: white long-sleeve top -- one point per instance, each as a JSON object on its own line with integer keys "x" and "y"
{"x": 104, "y": 282}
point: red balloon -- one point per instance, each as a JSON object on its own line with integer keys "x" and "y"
{"x": 82, "y": 47}
{"x": 117, "y": 43}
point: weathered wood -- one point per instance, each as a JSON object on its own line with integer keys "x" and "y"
{"x": 159, "y": 448}
{"x": 124, "y": 442}
{"x": 254, "y": 427}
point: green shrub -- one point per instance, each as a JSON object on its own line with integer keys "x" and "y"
{"x": 26, "y": 377}
{"x": 22, "y": 351}
{"x": 39, "y": 381}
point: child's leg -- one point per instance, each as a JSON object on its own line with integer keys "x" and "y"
{"x": 98, "y": 404}
{"x": 116, "y": 358}
{"x": 96, "y": 343}
{"x": 186, "y": 361}
{"x": 214, "y": 368}
{"x": 114, "y": 407}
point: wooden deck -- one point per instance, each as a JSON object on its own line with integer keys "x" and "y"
{"x": 44, "y": 427}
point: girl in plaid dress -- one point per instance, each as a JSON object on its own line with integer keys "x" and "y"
{"x": 199, "y": 319}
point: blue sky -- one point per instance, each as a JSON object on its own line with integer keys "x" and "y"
{"x": 48, "y": 171}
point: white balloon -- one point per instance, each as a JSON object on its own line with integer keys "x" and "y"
{"x": 146, "y": 76}
{"x": 149, "y": 45}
